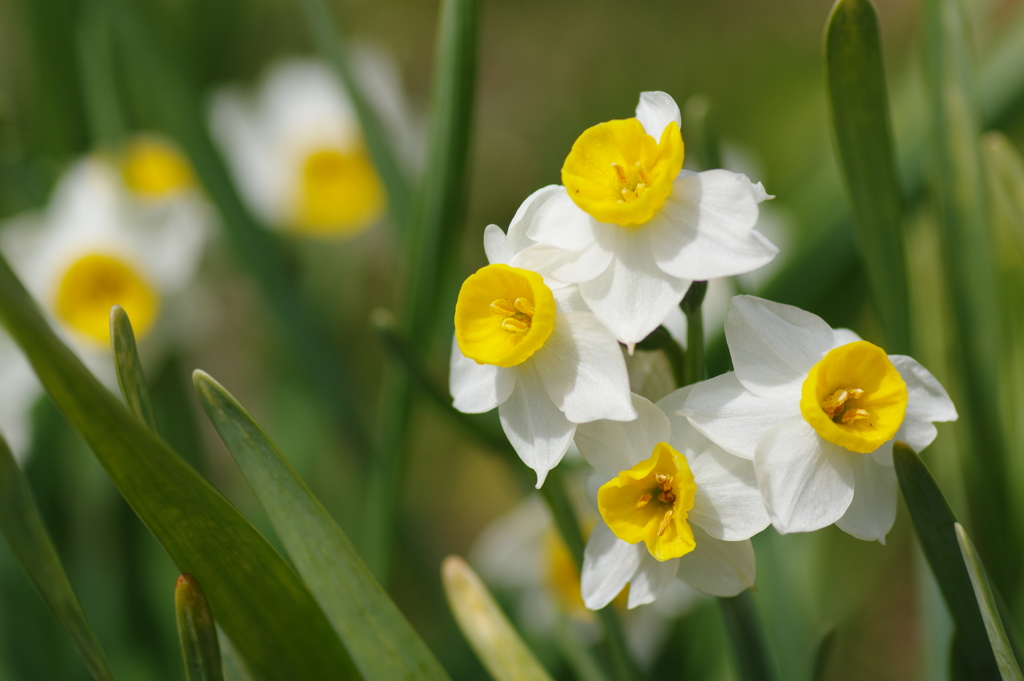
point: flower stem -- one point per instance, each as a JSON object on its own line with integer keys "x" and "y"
{"x": 753, "y": 658}
{"x": 661, "y": 339}
{"x": 693, "y": 368}
{"x": 622, "y": 666}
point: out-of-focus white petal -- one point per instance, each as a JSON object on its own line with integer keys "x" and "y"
{"x": 477, "y": 388}
{"x": 873, "y": 509}
{"x": 656, "y": 110}
{"x": 508, "y": 551}
{"x": 582, "y": 369}
{"x": 806, "y": 482}
{"x": 716, "y": 567}
{"x": 728, "y": 503}
{"x": 844, "y": 337}
{"x": 171, "y": 239}
{"x": 651, "y": 578}
{"x": 773, "y": 346}
{"x": 927, "y": 400}
{"x": 536, "y": 428}
{"x": 19, "y": 390}
{"x": 633, "y": 295}
{"x": 608, "y": 564}
{"x": 526, "y": 215}
{"x": 612, "y": 447}
{"x": 561, "y": 223}
{"x": 706, "y": 228}
{"x": 734, "y": 418}
{"x": 496, "y": 246}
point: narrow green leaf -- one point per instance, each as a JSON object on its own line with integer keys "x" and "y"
{"x": 997, "y": 637}
{"x": 331, "y": 44}
{"x": 822, "y": 655}
{"x": 197, "y": 631}
{"x": 26, "y": 534}
{"x": 962, "y": 199}
{"x": 863, "y": 137}
{"x": 934, "y": 520}
{"x": 130, "y": 377}
{"x": 753, "y": 658}
{"x": 440, "y": 209}
{"x": 261, "y": 602}
{"x": 1005, "y": 167}
{"x": 492, "y": 637}
{"x": 377, "y": 635}
{"x": 96, "y": 67}
{"x": 181, "y": 112}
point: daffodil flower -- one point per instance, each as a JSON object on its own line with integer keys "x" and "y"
{"x": 297, "y": 152}
{"x": 634, "y": 230}
{"x": 816, "y": 410}
{"x": 533, "y": 352}
{"x": 672, "y": 503}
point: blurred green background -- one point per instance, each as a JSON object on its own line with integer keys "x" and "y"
{"x": 547, "y": 70}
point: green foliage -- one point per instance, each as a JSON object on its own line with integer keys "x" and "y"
{"x": 130, "y": 378}
{"x": 26, "y": 534}
{"x": 197, "y": 631}
{"x": 260, "y": 602}
{"x": 753, "y": 657}
{"x": 377, "y": 636}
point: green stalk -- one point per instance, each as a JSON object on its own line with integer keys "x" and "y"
{"x": 95, "y": 62}
{"x": 753, "y": 658}
{"x": 435, "y": 229}
{"x": 661, "y": 339}
{"x": 693, "y": 368}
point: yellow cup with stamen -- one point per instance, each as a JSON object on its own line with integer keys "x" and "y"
{"x": 503, "y": 315}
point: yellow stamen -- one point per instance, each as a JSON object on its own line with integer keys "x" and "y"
{"x": 664, "y": 522}
{"x": 524, "y": 306}
{"x": 644, "y": 500}
{"x": 855, "y": 415}
{"x": 516, "y": 325}
{"x": 502, "y": 307}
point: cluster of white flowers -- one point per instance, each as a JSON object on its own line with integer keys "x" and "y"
{"x": 799, "y": 436}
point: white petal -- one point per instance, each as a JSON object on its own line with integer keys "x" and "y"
{"x": 873, "y": 509}
{"x": 611, "y": 447}
{"x": 844, "y": 337}
{"x": 806, "y": 482}
{"x": 927, "y": 400}
{"x": 571, "y": 267}
{"x": 655, "y": 111}
{"x": 728, "y": 503}
{"x": 633, "y": 295}
{"x": 496, "y": 245}
{"x": 716, "y": 567}
{"x": 569, "y": 299}
{"x": 651, "y": 578}
{"x": 537, "y": 429}
{"x": 706, "y": 228}
{"x": 917, "y": 434}
{"x": 582, "y": 369}
{"x": 760, "y": 192}
{"x": 608, "y": 565}
{"x": 525, "y": 216}
{"x": 734, "y": 418}
{"x": 774, "y": 346}
{"x": 477, "y": 388}
{"x": 560, "y": 222}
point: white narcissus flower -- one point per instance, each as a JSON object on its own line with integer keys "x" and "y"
{"x": 672, "y": 503}
{"x": 535, "y": 353}
{"x": 296, "y": 149}
{"x": 124, "y": 230}
{"x": 816, "y": 410}
{"x": 634, "y": 230}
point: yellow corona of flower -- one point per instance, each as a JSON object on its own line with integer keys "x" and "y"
{"x": 817, "y": 410}
{"x": 340, "y": 191}
{"x": 154, "y": 169}
{"x": 649, "y": 503}
{"x": 96, "y": 282}
{"x": 503, "y": 315}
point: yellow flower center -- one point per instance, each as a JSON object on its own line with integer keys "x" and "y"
{"x": 854, "y": 397}
{"x": 503, "y": 315}
{"x": 650, "y": 503}
{"x": 95, "y": 283}
{"x": 618, "y": 173}
{"x": 340, "y": 193}
{"x": 154, "y": 169}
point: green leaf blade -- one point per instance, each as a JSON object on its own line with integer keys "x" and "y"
{"x": 380, "y": 640}
{"x": 23, "y": 527}
{"x": 128, "y": 366}
{"x": 262, "y": 604}
{"x": 485, "y": 626}
{"x": 197, "y": 632}
{"x": 934, "y": 521}
{"x": 864, "y": 142}
{"x": 997, "y": 637}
